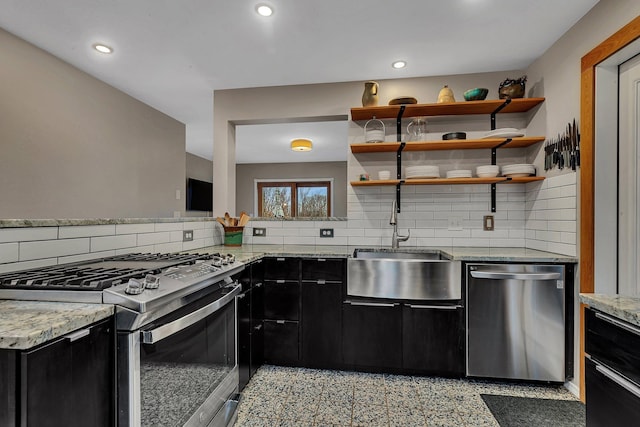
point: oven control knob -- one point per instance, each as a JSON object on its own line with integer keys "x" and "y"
{"x": 217, "y": 262}
{"x": 151, "y": 282}
{"x": 231, "y": 258}
{"x": 134, "y": 287}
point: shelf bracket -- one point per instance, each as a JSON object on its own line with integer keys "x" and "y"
{"x": 497, "y": 110}
{"x": 399, "y": 123}
{"x": 398, "y": 196}
{"x": 494, "y": 158}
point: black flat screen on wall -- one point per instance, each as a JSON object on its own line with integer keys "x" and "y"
{"x": 199, "y": 195}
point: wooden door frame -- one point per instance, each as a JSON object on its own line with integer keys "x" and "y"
{"x": 622, "y": 38}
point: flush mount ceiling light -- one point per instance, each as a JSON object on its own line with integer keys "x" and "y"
{"x": 301, "y": 144}
{"x": 399, "y": 64}
{"x": 102, "y": 48}
{"x": 264, "y": 10}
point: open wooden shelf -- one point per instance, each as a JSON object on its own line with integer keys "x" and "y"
{"x": 457, "y": 144}
{"x": 517, "y": 105}
{"x": 447, "y": 181}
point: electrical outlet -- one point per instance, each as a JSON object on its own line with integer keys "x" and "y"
{"x": 455, "y": 223}
{"x": 488, "y": 223}
{"x": 257, "y": 231}
{"x": 187, "y": 235}
{"x": 326, "y": 232}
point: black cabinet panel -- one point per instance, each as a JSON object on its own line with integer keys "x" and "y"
{"x": 281, "y": 342}
{"x": 8, "y": 388}
{"x": 372, "y": 336}
{"x": 281, "y": 300}
{"x": 322, "y": 325}
{"x": 433, "y": 340}
{"x": 607, "y": 403}
{"x": 69, "y": 381}
{"x": 282, "y": 268}
{"x": 244, "y": 337}
{"x": 327, "y": 269}
{"x": 257, "y": 347}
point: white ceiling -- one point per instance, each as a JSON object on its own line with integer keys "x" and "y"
{"x": 172, "y": 54}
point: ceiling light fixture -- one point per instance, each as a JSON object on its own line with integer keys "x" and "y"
{"x": 301, "y": 144}
{"x": 399, "y": 64}
{"x": 102, "y": 48}
{"x": 264, "y": 10}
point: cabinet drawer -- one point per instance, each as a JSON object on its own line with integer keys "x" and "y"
{"x": 327, "y": 269}
{"x": 609, "y": 404}
{"x": 282, "y": 268}
{"x": 281, "y": 342}
{"x": 281, "y": 300}
{"x": 614, "y": 343}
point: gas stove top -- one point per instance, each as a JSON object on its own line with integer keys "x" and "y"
{"x": 135, "y": 281}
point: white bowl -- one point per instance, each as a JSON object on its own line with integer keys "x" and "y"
{"x": 488, "y": 171}
{"x": 384, "y": 175}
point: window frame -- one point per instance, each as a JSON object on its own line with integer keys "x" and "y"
{"x": 293, "y": 184}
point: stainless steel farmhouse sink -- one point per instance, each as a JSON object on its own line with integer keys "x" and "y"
{"x": 404, "y": 275}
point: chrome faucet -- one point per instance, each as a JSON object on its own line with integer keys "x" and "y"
{"x": 396, "y": 239}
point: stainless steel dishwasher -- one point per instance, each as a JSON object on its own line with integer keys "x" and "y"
{"x": 517, "y": 324}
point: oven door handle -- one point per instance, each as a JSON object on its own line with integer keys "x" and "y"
{"x": 152, "y": 336}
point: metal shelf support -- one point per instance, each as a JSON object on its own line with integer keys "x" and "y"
{"x": 494, "y": 155}
{"x": 497, "y": 110}
{"x": 399, "y": 155}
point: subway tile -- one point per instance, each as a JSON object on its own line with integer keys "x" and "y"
{"x": 537, "y": 244}
{"x": 569, "y": 238}
{"x": 85, "y": 257}
{"x": 28, "y": 234}
{"x": 133, "y": 250}
{"x": 113, "y": 242}
{"x": 284, "y": 232}
{"x": 8, "y": 252}
{"x": 174, "y": 236}
{"x": 268, "y": 240}
{"x": 452, "y": 233}
{"x": 364, "y": 241}
{"x": 169, "y": 226}
{"x": 562, "y": 248}
{"x": 53, "y": 248}
{"x": 349, "y": 232}
{"x": 69, "y": 232}
{"x": 569, "y": 226}
{"x": 153, "y": 238}
{"x": 332, "y": 240}
{"x": 168, "y": 247}
{"x": 194, "y": 244}
{"x": 495, "y": 234}
{"x": 202, "y": 233}
{"x": 299, "y": 240}
{"x": 562, "y": 203}
{"x": 507, "y": 243}
{"x": 134, "y": 228}
{"x": 26, "y": 265}
{"x": 470, "y": 242}
{"x": 562, "y": 180}
{"x": 435, "y": 241}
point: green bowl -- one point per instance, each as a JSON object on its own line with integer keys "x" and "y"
{"x": 477, "y": 94}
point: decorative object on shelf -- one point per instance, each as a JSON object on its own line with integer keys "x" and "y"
{"x": 364, "y": 177}
{"x": 301, "y": 144}
{"x": 370, "y": 94}
{"x": 403, "y": 100}
{"x": 374, "y": 130}
{"x": 503, "y": 133}
{"x": 384, "y": 175}
{"x": 454, "y": 135}
{"x": 488, "y": 171}
{"x": 476, "y": 94}
{"x": 445, "y": 95}
{"x": 512, "y": 88}
{"x": 417, "y": 129}
{"x": 564, "y": 150}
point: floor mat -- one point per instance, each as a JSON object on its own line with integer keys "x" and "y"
{"x": 513, "y": 411}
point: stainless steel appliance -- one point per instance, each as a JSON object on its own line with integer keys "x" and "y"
{"x": 519, "y": 322}
{"x": 176, "y": 330}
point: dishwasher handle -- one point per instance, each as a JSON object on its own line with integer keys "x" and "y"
{"x": 480, "y": 274}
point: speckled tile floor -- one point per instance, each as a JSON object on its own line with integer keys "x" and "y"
{"x": 279, "y": 396}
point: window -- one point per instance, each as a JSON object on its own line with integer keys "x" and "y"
{"x": 298, "y": 199}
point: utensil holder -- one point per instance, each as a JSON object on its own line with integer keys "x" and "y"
{"x": 233, "y": 236}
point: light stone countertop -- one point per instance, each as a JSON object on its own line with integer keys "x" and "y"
{"x": 26, "y": 324}
{"x": 623, "y": 307}
{"x": 247, "y": 253}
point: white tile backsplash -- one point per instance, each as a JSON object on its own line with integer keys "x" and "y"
{"x": 53, "y": 248}
{"x": 69, "y": 232}
{"x": 135, "y": 228}
{"x": 113, "y": 242}
{"x": 8, "y": 252}
{"x": 28, "y": 234}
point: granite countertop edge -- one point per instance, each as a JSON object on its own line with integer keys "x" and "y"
{"x": 46, "y": 321}
{"x": 626, "y": 308}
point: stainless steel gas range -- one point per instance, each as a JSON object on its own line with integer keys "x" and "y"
{"x": 176, "y": 330}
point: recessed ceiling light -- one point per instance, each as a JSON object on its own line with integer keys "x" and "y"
{"x": 264, "y": 10}
{"x": 399, "y": 64}
{"x": 102, "y": 48}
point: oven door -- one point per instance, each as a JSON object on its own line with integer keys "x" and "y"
{"x": 181, "y": 369}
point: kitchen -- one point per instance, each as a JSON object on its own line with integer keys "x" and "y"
{"x": 558, "y": 88}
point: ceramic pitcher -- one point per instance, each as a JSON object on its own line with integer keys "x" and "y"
{"x": 370, "y": 95}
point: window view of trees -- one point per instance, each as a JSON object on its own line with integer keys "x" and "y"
{"x": 294, "y": 199}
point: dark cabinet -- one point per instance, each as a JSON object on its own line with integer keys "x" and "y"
{"x": 433, "y": 339}
{"x": 281, "y": 311}
{"x": 68, "y": 381}
{"x": 322, "y": 284}
{"x": 250, "y": 333}
{"x": 372, "y": 335}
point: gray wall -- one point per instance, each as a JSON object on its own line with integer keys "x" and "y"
{"x": 246, "y": 173}
{"x": 199, "y": 168}
{"x": 75, "y": 147}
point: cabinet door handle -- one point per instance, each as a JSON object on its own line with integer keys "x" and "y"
{"x": 75, "y": 336}
{"x": 321, "y": 282}
{"x": 627, "y": 385}
{"x": 257, "y": 328}
{"x": 321, "y": 259}
{"x": 258, "y": 285}
{"x": 280, "y": 322}
{"x": 619, "y": 323}
{"x": 280, "y": 281}
{"x": 436, "y": 307}
{"x": 280, "y": 259}
{"x": 241, "y": 296}
{"x": 371, "y": 304}
{"x": 515, "y": 276}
